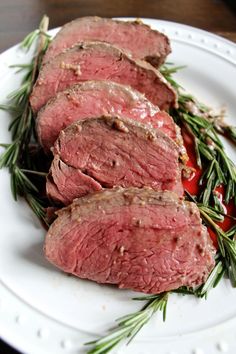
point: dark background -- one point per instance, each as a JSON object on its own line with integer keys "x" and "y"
{"x": 19, "y": 17}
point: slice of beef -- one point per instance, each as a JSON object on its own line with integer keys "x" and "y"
{"x": 111, "y": 151}
{"x": 138, "y": 239}
{"x": 93, "y": 99}
{"x": 100, "y": 61}
{"x": 135, "y": 37}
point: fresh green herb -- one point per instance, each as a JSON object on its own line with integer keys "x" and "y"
{"x": 128, "y": 326}
{"x": 41, "y": 32}
{"x": 210, "y": 152}
{"x": 16, "y": 156}
{"x": 201, "y": 123}
{"x": 227, "y": 246}
{"x": 168, "y": 70}
{"x": 221, "y": 127}
{"x": 226, "y": 257}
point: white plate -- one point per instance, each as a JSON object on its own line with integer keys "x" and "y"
{"x": 43, "y": 310}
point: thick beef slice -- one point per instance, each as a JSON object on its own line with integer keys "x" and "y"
{"x": 100, "y": 61}
{"x": 93, "y": 99}
{"x": 111, "y": 151}
{"x": 138, "y": 239}
{"x": 135, "y": 37}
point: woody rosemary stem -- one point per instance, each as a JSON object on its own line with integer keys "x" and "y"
{"x": 17, "y": 154}
{"x": 42, "y": 43}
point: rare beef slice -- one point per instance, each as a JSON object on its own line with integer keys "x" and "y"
{"x": 138, "y": 239}
{"x": 100, "y": 61}
{"x": 135, "y": 37}
{"x": 110, "y": 151}
{"x": 96, "y": 98}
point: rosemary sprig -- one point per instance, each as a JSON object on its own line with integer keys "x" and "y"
{"x": 41, "y": 32}
{"x": 16, "y": 156}
{"x": 168, "y": 70}
{"x": 128, "y": 326}
{"x": 228, "y": 130}
{"x": 212, "y": 281}
{"x": 227, "y": 246}
{"x": 203, "y": 126}
{"x": 226, "y": 257}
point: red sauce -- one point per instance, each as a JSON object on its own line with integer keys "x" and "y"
{"x": 192, "y": 185}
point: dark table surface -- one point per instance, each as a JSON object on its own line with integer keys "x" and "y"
{"x": 18, "y": 17}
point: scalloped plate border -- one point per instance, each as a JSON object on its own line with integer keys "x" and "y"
{"x": 31, "y": 332}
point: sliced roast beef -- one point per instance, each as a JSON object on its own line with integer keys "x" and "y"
{"x": 138, "y": 239}
{"x": 135, "y": 37}
{"x": 100, "y": 61}
{"x": 111, "y": 151}
{"x": 93, "y": 99}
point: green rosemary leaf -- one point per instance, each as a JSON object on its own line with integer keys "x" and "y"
{"x": 14, "y": 188}
{"x": 9, "y": 156}
{"x": 204, "y": 150}
{"x": 231, "y": 233}
{"x": 183, "y": 290}
{"x": 10, "y": 108}
{"x": 37, "y": 206}
{"x": 145, "y": 298}
{"x": 208, "y": 189}
{"x": 167, "y": 70}
{"x": 198, "y": 154}
{"x": 230, "y": 131}
{"x": 230, "y": 257}
{"x": 212, "y": 212}
{"x": 22, "y": 67}
{"x": 213, "y": 279}
{"x": 229, "y": 191}
{"x": 210, "y": 170}
{"x": 15, "y": 126}
{"x": 29, "y": 40}
{"x": 22, "y": 91}
{"x": 221, "y": 245}
{"x": 5, "y": 146}
{"x": 228, "y": 164}
{"x": 220, "y": 173}
{"x": 24, "y": 181}
{"x": 221, "y": 127}
{"x": 38, "y": 173}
